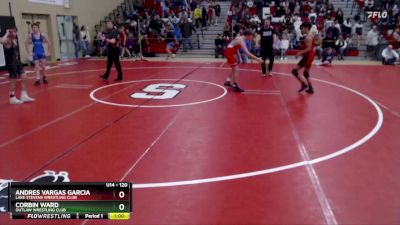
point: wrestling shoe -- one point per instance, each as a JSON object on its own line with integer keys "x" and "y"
{"x": 25, "y": 97}
{"x": 303, "y": 87}
{"x": 15, "y": 101}
{"x": 228, "y": 84}
{"x": 237, "y": 89}
{"x": 103, "y": 77}
{"x": 45, "y": 81}
{"x": 310, "y": 90}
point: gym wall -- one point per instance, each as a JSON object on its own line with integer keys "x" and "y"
{"x": 88, "y": 12}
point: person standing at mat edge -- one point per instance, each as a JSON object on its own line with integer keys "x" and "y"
{"x": 14, "y": 66}
{"x": 37, "y": 39}
{"x": 111, "y": 38}
{"x": 268, "y": 37}
{"x": 308, "y": 57}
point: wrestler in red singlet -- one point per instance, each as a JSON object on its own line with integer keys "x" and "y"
{"x": 307, "y": 59}
{"x": 230, "y": 55}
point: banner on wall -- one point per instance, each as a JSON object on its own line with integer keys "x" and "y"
{"x": 49, "y": 2}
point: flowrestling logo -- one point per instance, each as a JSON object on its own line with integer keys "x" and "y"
{"x": 47, "y": 176}
{"x": 377, "y": 14}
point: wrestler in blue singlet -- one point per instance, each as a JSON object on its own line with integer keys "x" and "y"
{"x": 38, "y": 47}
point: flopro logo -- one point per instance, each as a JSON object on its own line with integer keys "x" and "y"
{"x": 376, "y": 14}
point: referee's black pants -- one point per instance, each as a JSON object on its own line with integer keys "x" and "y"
{"x": 267, "y": 53}
{"x": 113, "y": 57}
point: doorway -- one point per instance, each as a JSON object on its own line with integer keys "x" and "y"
{"x": 65, "y": 25}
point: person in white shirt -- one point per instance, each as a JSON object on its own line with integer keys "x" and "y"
{"x": 372, "y": 41}
{"x": 85, "y": 41}
{"x": 389, "y": 56}
{"x": 341, "y": 46}
{"x": 297, "y": 24}
{"x": 358, "y": 31}
{"x": 312, "y": 16}
{"x": 314, "y": 29}
{"x": 255, "y": 20}
{"x": 347, "y": 27}
{"x": 328, "y": 23}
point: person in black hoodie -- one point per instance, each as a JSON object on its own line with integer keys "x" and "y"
{"x": 204, "y": 17}
{"x": 217, "y": 9}
{"x": 219, "y": 46}
{"x": 111, "y": 39}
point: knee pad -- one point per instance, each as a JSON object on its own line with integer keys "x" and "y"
{"x": 295, "y": 73}
{"x": 306, "y": 74}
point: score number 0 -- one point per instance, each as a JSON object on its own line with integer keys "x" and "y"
{"x": 121, "y": 195}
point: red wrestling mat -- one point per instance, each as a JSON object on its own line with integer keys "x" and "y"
{"x": 198, "y": 153}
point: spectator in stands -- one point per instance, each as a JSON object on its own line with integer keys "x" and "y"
{"x": 341, "y": 46}
{"x": 292, "y": 6}
{"x": 177, "y": 32}
{"x": 117, "y": 21}
{"x": 312, "y": 4}
{"x": 328, "y": 41}
{"x": 163, "y": 8}
{"x": 312, "y": 16}
{"x": 339, "y": 16}
{"x": 219, "y": 46}
{"x": 318, "y": 45}
{"x": 197, "y": 16}
{"x": 296, "y": 24}
{"x": 369, "y": 5}
{"x": 328, "y": 23}
{"x": 358, "y": 31}
{"x": 292, "y": 40}
{"x": 284, "y": 44}
{"x": 204, "y": 18}
{"x": 314, "y": 29}
{"x": 305, "y": 9}
{"x": 217, "y": 8}
{"x": 334, "y": 30}
{"x": 155, "y": 26}
{"x": 330, "y": 10}
{"x": 122, "y": 42}
{"x": 395, "y": 36}
{"x": 131, "y": 44}
{"x": 211, "y": 15}
{"x": 227, "y": 30}
{"x": 389, "y": 56}
{"x": 346, "y": 31}
{"x": 338, "y": 26}
{"x": 280, "y": 9}
{"x": 170, "y": 41}
{"x": 327, "y": 57}
{"x": 187, "y": 29}
{"x": 372, "y": 42}
{"x": 255, "y": 21}
{"x": 85, "y": 40}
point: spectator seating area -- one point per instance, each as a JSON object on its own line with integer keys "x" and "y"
{"x": 152, "y": 21}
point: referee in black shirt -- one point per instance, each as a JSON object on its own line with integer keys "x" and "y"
{"x": 268, "y": 36}
{"x": 111, "y": 38}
